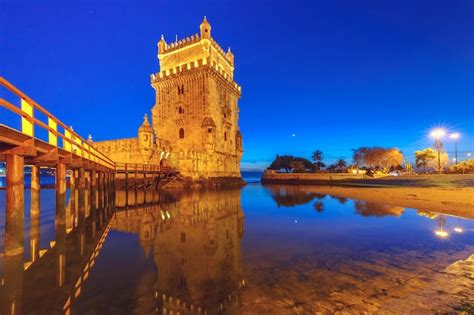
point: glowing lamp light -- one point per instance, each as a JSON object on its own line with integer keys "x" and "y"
{"x": 437, "y": 133}
{"x": 455, "y": 135}
{"x": 441, "y": 233}
{"x": 458, "y": 229}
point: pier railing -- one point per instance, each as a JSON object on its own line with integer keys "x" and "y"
{"x": 60, "y": 136}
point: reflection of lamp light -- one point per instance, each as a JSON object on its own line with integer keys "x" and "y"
{"x": 441, "y": 233}
{"x": 458, "y": 228}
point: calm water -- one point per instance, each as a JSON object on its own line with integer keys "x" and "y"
{"x": 258, "y": 250}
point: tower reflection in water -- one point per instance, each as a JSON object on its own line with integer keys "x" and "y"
{"x": 193, "y": 239}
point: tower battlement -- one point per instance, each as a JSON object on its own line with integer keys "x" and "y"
{"x": 193, "y": 48}
{"x": 178, "y": 71}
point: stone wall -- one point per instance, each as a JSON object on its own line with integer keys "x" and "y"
{"x": 307, "y": 178}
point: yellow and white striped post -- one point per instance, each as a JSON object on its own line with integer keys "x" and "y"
{"x": 26, "y": 125}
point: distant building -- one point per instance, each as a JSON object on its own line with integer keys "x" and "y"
{"x": 195, "y": 117}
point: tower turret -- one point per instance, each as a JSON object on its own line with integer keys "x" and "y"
{"x": 161, "y": 45}
{"x": 145, "y": 138}
{"x": 230, "y": 56}
{"x": 205, "y": 28}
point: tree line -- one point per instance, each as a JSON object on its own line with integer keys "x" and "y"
{"x": 375, "y": 158}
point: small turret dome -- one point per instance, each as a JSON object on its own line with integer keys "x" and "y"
{"x": 205, "y": 29}
{"x": 145, "y": 127}
{"x": 161, "y": 44}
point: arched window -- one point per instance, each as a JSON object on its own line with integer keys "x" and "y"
{"x": 181, "y": 133}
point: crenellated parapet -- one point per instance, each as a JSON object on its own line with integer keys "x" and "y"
{"x": 190, "y": 40}
{"x": 191, "y": 66}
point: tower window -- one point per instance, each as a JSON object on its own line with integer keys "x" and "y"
{"x": 225, "y": 136}
{"x": 180, "y": 110}
{"x": 209, "y": 130}
{"x": 181, "y": 133}
{"x": 181, "y": 89}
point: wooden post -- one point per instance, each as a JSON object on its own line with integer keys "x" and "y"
{"x": 82, "y": 209}
{"x": 70, "y": 211}
{"x": 14, "y": 219}
{"x": 135, "y": 178}
{"x": 153, "y": 192}
{"x": 100, "y": 188}
{"x": 60, "y": 224}
{"x": 93, "y": 176}
{"x": 107, "y": 193}
{"x": 114, "y": 189}
{"x": 75, "y": 202}
{"x": 126, "y": 184}
{"x": 35, "y": 212}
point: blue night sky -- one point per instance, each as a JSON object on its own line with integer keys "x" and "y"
{"x": 335, "y": 74}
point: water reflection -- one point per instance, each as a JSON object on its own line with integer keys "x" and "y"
{"x": 186, "y": 252}
{"x": 194, "y": 242}
{"x": 289, "y": 196}
{"x": 373, "y": 209}
{"x": 47, "y": 280}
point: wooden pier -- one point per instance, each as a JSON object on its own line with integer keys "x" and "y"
{"x": 43, "y": 141}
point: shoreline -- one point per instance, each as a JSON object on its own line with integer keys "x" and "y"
{"x": 451, "y": 194}
{"x": 452, "y": 201}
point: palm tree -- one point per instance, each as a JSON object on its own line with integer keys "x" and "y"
{"x": 341, "y": 164}
{"x": 318, "y": 158}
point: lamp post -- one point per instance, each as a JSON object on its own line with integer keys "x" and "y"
{"x": 437, "y": 134}
{"x": 455, "y": 136}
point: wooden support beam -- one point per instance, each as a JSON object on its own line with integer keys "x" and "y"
{"x": 93, "y": 176}
{"x": 52, "y": 156}
{"x": 26, "y": 148}
{"x": 15, "y": 204}
{"x": 60, "y": 224}
{"x": 82, "y": 209}
{"x": 35, "y": 212}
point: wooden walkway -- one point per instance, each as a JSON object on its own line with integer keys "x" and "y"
{"x": 32, "y": 136}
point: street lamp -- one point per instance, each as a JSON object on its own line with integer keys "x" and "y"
{"x": 437, "y": 134}
{"x": 455, "y": 136}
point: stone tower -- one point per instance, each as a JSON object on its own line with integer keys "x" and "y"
{"x": 196, "y": 107}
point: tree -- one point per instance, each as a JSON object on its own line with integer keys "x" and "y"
{"x": 424, "y": 157}
{"x": 341, "y": 165}
{"x": 285, "y": 162}
{"x": 282, "y": 162}
{"x": 318, "y": 206}
{"x": 378, "y": 158}
{"x": 464, "y": 167}
{"x": 317, "y": 157}
{"x": 297, "y": 166}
